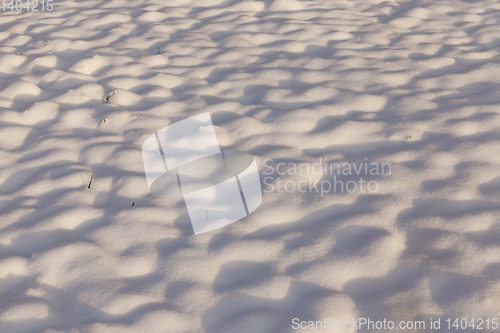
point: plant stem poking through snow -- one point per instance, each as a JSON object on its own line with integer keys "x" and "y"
{"x": 109, "y": 96}
{"x": 159, "y": 50}
{"x": 133, "y": 203}
{"x": 103, "y": 120}
{"x": 91, "y": 177}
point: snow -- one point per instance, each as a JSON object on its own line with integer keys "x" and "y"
{"x": 411, "y": 83}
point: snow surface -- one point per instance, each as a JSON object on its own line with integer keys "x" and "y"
{"x": 411, "y": 83}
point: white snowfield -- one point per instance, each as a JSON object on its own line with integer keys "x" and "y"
{"x": 414, "y": 84}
